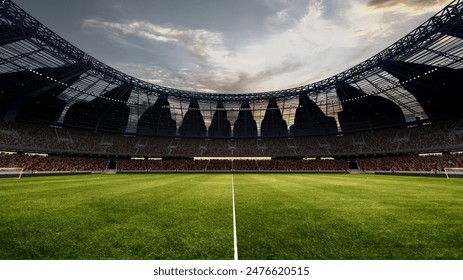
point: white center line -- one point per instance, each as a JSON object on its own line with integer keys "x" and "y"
{"x": 235, "y": 238}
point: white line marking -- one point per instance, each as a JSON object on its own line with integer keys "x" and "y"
{"x": 235, "y": 237}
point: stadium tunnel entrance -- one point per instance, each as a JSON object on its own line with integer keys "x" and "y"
{"x": 112, "y": 164}
{"x": 353, "y": 165}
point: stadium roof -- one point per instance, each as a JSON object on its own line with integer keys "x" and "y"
{"x": 28, "y": 45}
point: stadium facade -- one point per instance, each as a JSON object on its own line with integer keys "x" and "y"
{"x": 45, "y": 80}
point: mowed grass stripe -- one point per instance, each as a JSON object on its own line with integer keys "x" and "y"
{"x": 116, "y": 217}
{"x": 348, "y": 217}
{"x": 189, "y": 216}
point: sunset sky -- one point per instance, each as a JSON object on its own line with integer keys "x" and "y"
{"x": 232, "y": 46}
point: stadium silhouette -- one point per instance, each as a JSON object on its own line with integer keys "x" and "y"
{"x": 404, "y": 101}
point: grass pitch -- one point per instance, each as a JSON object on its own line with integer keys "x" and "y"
{"x": 189, "y": 216}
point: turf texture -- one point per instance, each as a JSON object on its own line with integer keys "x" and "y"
{"x": 189, "y": 217}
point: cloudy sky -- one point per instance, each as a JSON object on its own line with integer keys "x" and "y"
{"x": 232, "y": 45}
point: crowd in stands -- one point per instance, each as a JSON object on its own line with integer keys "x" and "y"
{"x": 438, "y": 136}
{"x": 33, "y": 163}
{"x": 428, "y": 163}
{"x": 418, "y": 138}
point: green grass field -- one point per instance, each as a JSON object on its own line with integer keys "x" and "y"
{"x": 189, "y": 216}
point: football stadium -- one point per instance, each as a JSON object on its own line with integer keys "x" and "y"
{"x": 96, "y": 164}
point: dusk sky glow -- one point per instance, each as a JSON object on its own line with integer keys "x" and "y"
{"x": 232, "y": 46}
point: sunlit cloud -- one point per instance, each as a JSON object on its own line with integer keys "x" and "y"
{"x": 410, "y": 6}
{"x": 202, "y": 44}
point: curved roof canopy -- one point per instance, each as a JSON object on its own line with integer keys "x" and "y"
{"x": 434, "y": 49}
